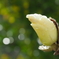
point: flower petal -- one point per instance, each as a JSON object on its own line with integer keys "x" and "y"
{"x": 44, "y": 27}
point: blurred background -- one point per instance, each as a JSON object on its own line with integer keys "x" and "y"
{"x": 18, "y": 40}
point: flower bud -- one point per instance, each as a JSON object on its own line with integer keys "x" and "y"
{"x": 44, "y": 27}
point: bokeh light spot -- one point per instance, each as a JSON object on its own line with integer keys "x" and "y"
{"x": 1, "y": 27}
{"x": 57, "y": 2}
{"x": 26, "y": 4}
{"x": 39, "y": 42}
{"x": 11, "y": 39}
{"x": 4, "y": 56}
{"x": 21, "y": 36}
{"x": 9, "y": 33}
{"x": 11, "y": 20}
{"x": 6, "y": 41}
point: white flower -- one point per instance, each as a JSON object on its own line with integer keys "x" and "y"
{"x": 44, "y": 27}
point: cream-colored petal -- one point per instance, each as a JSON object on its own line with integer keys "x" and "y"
{"x": 44, "y": 28}
{"x": 48, "y": 48}
{"x": 45, "y": 48}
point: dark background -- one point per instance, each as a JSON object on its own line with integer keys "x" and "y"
{"x": 18, "y": 40}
